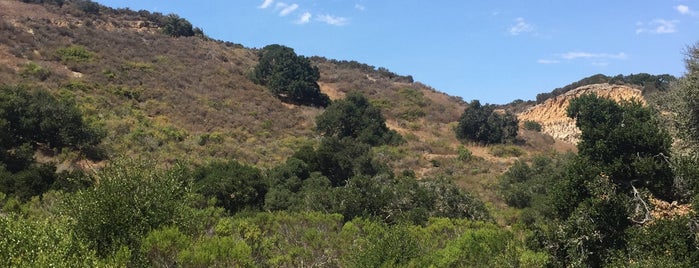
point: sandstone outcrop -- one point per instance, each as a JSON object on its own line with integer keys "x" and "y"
{"x": 552, "y": 113}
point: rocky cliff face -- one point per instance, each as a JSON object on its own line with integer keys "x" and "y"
{"x": 552, "y": 113}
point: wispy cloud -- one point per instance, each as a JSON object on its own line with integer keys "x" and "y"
{"x": 333, "y": 20}
{"x": 596, "y": 59}
{"x": 657, "y": 26}
{"x": 283, "y": 9}
{"x": 586, "y": 55}
{"x": 359, "y": 7}
{"x": 286, "y": 9}
{"x": 304, "y": 18}
{"x": 547, "y": 61}
{"x": 521, "y": 26}
{"x": 266, "y": 4}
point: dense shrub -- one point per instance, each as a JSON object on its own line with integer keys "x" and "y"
{"x": 235, "y": 186}
{"x": 131, "y": 198}
{"x": 173, "y": 25}
{"x": 626, "y": 141}
{"x": 532, "y": 125}
{"x": 35, "y": 116}
{"x": 33, "y": 70}
{"x": 355, "y": 117}
{"x": 74, "y": 53}
{"x": 290, "y": 77}
{"x": 42, "y": 243}
{"x": 88, "y": 6}
{"x": 481, "y": 123}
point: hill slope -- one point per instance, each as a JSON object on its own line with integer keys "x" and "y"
{"x": 190, "y": 98}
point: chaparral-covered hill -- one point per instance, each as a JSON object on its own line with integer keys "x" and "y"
{"x": 172, "y": 98}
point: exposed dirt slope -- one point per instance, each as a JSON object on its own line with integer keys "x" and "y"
{"x": 552, "y": 113}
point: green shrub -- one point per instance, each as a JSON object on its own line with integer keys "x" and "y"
{"x": 235, "y": 186}
{"x": 506, "y": 151}
{"x": 42, "y": 243}
{"x": 482, "y": 123}
{"x": 74, "y": 54}
{"x": 175, "y": 26}
{"x": 355, "y": 117}
{"x": 464, "y": 154}
{"x": 161, "y": 246}
{"x": 217, "y": 252}
{"x": 288, "y": 76}
{"x": 131, "y": 199}
{"x": 532, "y": 125}
{"x": 88, "y": 6}
{"x": 34, "y": 70}
{"x": 36, "y": 116}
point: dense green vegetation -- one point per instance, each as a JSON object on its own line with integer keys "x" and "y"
{"x": 336, "y": 198}
{"x": 355, "y": 117}
{"x": 482, "y": 123}
{"x": 290, "y": 77}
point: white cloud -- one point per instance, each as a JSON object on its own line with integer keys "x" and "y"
{"x": 286, "y": 9}
{"x": 266, "y": 4}
{"x": 586, "y": 55}
{"x": 304, "y": 18}
{"x": 595, "y": 59}
{"x": 657, "y": 26}
{"x": 359, "y": 7}
{"x": 683, "y": 9}
{"x": 521, "y": 27}
{"x": 547, "y": 61}
{"x": 332, "y": 20}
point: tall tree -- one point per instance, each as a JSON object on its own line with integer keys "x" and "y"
{"x": 355, "y": 117}
{"x": 290, "y": 77}
{"x": 625, "y": 141}
{"x": 482, "y": 123}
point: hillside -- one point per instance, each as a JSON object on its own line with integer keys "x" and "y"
{"x": 551, "y": 114}
{"x": 131, "y": 139}
{"x": 190, "y": 98}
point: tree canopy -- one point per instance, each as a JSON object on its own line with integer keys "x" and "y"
{"x": 625, "y": 141}
{"x": 355, "y": 117}
{"x": 482, "y": 123}
{"x": 290, "y": 77}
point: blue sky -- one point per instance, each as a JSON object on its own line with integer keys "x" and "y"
{"x": 494, "y": 51}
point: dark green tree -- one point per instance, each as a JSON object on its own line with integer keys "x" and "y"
{"x": 88, "y": 6}
{"x": 290, "y": 77}
{"x": 175, "y": 26}
{"x": 31, "y": 119}
{"x": 36, "y": 116}
{"x": 625, "y": 142}
{"x": 235, "y": 186}
{"x": 622, "y": 157}
{"x": 482, "y": 123}
{"x": 355, "y": 117}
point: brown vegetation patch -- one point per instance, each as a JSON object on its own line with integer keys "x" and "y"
{"x": 666, "y": 210}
